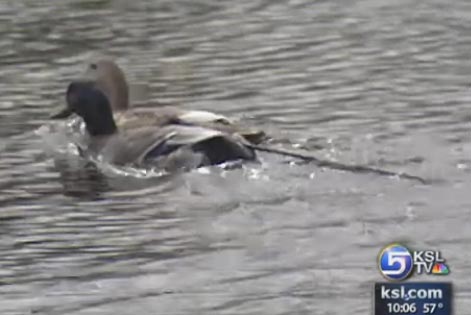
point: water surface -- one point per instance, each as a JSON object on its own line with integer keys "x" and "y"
{"x": 380, "y": 83}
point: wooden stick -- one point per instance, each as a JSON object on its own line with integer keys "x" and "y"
{"x": 336, "y": 165}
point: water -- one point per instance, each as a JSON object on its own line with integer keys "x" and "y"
{"x": 380, "y": 83}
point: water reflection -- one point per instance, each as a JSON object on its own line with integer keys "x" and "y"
{"x": 81, "y": 178}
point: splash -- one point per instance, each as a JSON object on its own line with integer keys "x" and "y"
{"x": 62, "y": 137}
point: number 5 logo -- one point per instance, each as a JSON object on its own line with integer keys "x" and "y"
{"x": 396, "y": 257}
{"x": 395, "y": 262}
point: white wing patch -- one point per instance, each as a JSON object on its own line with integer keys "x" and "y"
{"x": 201, "y": 117}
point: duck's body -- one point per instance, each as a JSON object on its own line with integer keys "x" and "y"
{"x": 107, "y": 77}
{"x": 169, "y": 146}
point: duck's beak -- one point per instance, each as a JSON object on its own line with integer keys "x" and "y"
{"x": 64, "y": 113}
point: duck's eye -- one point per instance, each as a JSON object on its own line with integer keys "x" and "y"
{"x": 93, "y": 66}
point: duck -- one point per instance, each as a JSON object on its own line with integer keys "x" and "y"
{"x": 110, "y": 79}
{"x": 170, "y": 146}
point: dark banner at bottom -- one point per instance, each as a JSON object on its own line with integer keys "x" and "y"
{"x": 418, "y": 298}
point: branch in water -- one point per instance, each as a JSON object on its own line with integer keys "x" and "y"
{"x": 337, "y": 165}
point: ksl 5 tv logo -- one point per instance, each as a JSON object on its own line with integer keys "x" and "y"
{"x": 396, "y": 262}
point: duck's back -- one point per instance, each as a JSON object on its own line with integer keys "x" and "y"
{"x": 138, "y": 118}
{"x": 158, "y": 117}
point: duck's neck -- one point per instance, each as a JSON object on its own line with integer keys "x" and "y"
{"x": 100, "y": 125}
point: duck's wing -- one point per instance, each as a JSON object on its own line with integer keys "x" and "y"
{"x": 221, "y": 123}
{"x": 203, "y": 117}
{"x": 129, "y": 146}
{"x": 212, "y": 145}
{"x": 137, "y": 145}
{"x": 136, "y": 118}
{"x": 175, "y": 146}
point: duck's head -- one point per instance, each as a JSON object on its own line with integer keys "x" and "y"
{"x": 90, "y": 103}
{"x": 106, "y": 75}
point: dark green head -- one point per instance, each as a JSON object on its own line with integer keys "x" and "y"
{"x": 92, "y": 105}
